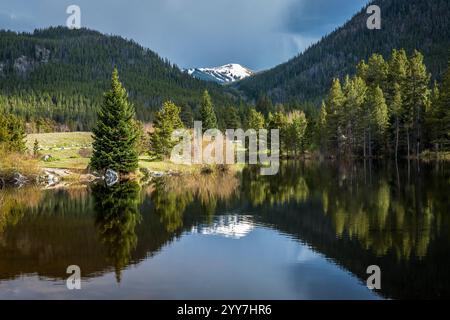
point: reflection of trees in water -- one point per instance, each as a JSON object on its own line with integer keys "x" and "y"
{"x": 171, "y": 196}
{"x": 390, "y": 214}
{"x": 363, "y": 202}
{"x": 117, "y": 214}
{"x": 374, "y": 209}
{"x": 288, "y": 185}
{"x": 13, "y": 204}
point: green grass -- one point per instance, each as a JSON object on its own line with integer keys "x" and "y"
{"x": 67, "y": 163}
{"x": 60, "y": 139}
{"x": 64, "y": 148}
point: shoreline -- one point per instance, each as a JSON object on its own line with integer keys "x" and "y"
{"x": 52, "y": 177}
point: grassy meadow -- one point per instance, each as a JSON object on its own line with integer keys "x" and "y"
{"x": 72, "y": 151}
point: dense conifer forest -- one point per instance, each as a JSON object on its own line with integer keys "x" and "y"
{"x": 57, "y": 76}
{"x": 408, "y": 24}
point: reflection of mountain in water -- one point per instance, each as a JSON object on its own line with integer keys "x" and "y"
{"x": 229, "y": 226}
{"x": 356, "y": 216}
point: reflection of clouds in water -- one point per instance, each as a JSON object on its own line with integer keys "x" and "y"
{"x": 305, "y": 254}
{"x": 231, "y": 226}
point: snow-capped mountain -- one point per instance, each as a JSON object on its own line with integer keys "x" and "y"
{"x": 229, "y": 226}
{"x": 223, "y": 74}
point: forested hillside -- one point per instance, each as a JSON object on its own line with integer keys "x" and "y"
{"x": 57, "y": 76}
{"x": 408, "y": 24}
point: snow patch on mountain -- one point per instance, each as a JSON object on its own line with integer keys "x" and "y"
{"x": 224, "y": 74}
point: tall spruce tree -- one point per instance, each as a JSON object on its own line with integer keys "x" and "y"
{"x": 334, "y": 104}
{"x": 396, "y": 106}
{"x": 36, "y": 148}
{"x": 12, "y": 133}
{"x": 380, "y": 117}
{"x": 116, "y": 132}
{"x": 279, "y": 120}
{"x": 296, "y": 129}
{"x": 166, "y": 121}
{"x": 416, "y": 99}
{"x": 255, "y": 119}
{"x": 350, "y": 121}
{"x": 207, "y": 114}
{"x": 441, "y": 114}
{"x": 321, "y": 127}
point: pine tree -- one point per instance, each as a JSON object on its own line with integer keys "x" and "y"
{"x": 396, "y": 111}
{"x": 207, "y": 114}
{"x": 349, "y": 121}
{"x": 166, "y": 121}
{"x": 398, "y": 65}
{"x": 416, "y": 99}
{"x": 380, "y": 116}
{"x": 334, "y": 104}
{"x": 187, "y": 116}
{"x": 321, "y": 127}
{"x": 12, "y": 133}
{"x": 376, "y": 72}
{"x": 255, "y": 119}
{"x": 115, "y": 134}
{"x": 297, "y": 124}
{"x": 441, "y": 114}
{"x": 232, "y": 120}
{"x": 36, "y": 148}
{"x": 279, "y": 120}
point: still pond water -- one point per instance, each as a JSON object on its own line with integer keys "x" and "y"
{"x": 309, "y": 232}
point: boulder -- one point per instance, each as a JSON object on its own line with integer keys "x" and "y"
{"x": 157, "y": 174}
{"x": 19, "y": 179}
{"x": 111, "y": 177}
{"x": 52, "y": 179}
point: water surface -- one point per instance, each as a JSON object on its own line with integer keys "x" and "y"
{"x": 309, "y": 232}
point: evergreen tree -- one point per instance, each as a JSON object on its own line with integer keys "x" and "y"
{"x": 334, "y": 104}
{"x": 380, "y": 116}
{"x": 207, "y": 114}
{"x": 116, "y": 133}
{"x": 36, "y": 148}
{"x": 232, "y": 120}
{"x": 395, "y": 92}
{"x": 12, "y": 133}
{"x": 166, "y": 121}
{"x": 377, "y": 72}
{"x": 321, "y": 127}
{"x": 441, "y": 114}
{"x": 279, "y": 120}
{"x": 396, "y": 111}
{"x": 297, "y": 124}
{"x": 255, "y": 119}
{"x": 187, "y": 116}
{"x": 349, "y": 119}
{"x": 416, "y": 99}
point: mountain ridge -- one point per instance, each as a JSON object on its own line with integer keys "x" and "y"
{"x": 409, "y": 24}
{"x": 61, "y": 74}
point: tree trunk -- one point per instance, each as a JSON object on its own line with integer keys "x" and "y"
{"x": 396, "y": 137}
{"x": 418, "y": 132}
{"x": 364, "y": 146}
{"x": 407, "y": 140}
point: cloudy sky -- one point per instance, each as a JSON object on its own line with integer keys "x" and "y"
{"x": 258, "y": 34}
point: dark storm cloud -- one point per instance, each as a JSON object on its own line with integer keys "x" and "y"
{"x": 318, "y": 17}
{"x": 256, "y": 33}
